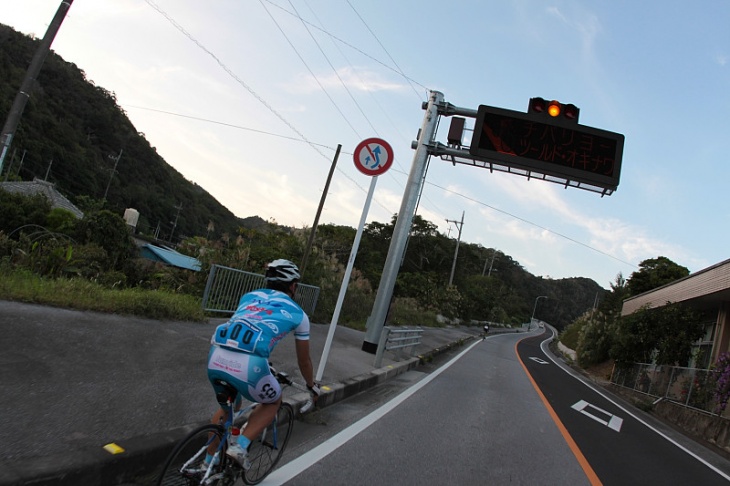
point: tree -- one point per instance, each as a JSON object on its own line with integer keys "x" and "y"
{"x": 109, "y": 231}
{"x": 664, "y": 335}
{"x": 654, "y": 273}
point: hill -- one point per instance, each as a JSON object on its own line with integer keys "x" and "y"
{"x": 73, "y": 134}
{"x": 69, "y": 133}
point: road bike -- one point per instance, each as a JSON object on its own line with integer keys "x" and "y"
{"x": 185, "y": 467}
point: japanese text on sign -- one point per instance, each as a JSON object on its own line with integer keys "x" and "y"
{"x": 575, "y": 152}
{"x": 557, "y": 145}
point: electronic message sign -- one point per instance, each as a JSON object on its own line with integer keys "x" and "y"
{"x": 556, "y": 148}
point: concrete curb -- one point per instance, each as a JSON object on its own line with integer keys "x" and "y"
{"x": 143, "y": 455}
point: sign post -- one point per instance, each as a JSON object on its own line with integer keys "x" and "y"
{"x": 372, "y": 157}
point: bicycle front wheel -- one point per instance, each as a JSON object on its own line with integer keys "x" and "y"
{"x": 183, "y": 465}
{"x": 266, "y": 450}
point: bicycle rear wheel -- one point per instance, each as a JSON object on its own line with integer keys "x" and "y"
{"x": 183, "y": 465}
{"x": 266, "y": 450}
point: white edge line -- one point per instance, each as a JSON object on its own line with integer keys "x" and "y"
{"x": 640, "y": 420}
{"x": 308, "y": 459}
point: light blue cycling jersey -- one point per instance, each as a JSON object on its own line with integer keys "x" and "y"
{"x": 262, "y": 319}
{"x": 240, "y": 348}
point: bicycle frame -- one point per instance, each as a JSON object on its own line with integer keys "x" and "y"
{"x": 274, "y": 437}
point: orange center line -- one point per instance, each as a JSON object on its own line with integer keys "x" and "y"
{"x": 587, "y": 469}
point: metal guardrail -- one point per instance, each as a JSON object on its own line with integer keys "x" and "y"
{"x": 226, "y": 285}
{"x": 396, "y": 338}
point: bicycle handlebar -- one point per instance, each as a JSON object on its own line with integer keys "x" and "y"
{"x": 283, "y": 378}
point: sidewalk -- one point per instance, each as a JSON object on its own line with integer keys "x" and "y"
{"x": 75, "y": 381}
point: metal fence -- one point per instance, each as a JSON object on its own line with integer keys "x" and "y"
{"x": 226, "y": 285}
{"x": 691, "y": 387}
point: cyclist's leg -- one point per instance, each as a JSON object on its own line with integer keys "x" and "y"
{"x": 230, "y": 367}
{"x": 260, "y": 418}
{"x": 265, "y": 390}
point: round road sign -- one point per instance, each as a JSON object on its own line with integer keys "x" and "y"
{"x": 373, "y": 156}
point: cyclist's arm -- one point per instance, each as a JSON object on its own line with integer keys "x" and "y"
{"x": 305, "y": 361}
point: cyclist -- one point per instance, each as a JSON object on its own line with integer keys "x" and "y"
{"x": 240, "y": 349}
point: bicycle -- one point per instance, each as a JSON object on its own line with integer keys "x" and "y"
{"x": 184, "y": 464}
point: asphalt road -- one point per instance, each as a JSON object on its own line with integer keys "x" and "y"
{"x": 74, "y": 381}
{"x": 475, "y": 421}
{"x": 621, "y": 445}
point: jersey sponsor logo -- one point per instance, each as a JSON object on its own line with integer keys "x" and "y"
{"x": 286, "y": 314}
{"x": 255, "y": 308}
{"x": 271, "y": 326}
{"x": 230, "y": 365}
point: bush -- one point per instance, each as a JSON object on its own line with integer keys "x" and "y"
{"x": 571, "y": 334}
{"x": 406, "y": 312}
{"x": 596, "y": 339}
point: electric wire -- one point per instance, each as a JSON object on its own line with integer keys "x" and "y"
{"x": 304, "y": 139}
{"x": 306, "y": 65}
{"x": 400, "y": 71}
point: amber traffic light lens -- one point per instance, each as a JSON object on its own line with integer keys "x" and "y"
{"x": 554, "y": 109}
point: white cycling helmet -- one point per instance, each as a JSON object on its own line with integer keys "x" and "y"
{"x": 282, "y": 271}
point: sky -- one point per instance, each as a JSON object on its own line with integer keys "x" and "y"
{"x": 250, "y": 99}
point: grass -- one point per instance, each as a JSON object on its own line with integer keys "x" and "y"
{"x": 82, "y": 294}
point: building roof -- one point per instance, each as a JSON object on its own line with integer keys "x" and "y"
{"x": 47, "y": 189}
{"x": 704, "y": 288}
{"x": 169, "y": 256}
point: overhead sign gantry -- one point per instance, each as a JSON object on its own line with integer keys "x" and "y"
{"x": 544, "y": 143}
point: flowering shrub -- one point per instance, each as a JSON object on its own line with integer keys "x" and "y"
{"x": 722, "y": 388}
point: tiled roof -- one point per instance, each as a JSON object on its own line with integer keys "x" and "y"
{"x": 47, "y": 189}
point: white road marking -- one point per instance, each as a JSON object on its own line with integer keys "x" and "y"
{"x": 544, "y": 347}
{"x": 613, "y": 422}
{"x": 538, "y": 360}
{"x": 305, "y": 461}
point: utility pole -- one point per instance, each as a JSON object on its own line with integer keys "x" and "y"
{"x": 12, "y": 161}
{"x": 491, "y": 263}
{"x": 303, "y": 266}
{"x": 458, "y": 241}
{"x": 16, "y": 110}
{"x": 48, "y": 170}
{"x": 174, "y": 224}
{"x": 114, "y": 170}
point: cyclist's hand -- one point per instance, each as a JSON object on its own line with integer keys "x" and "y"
{"x": 314, "y": 391}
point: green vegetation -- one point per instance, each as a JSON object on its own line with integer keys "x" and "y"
{"x": 77, "y": 293}
{"x": 664, "y": 335}
{"x": 78, "y": 125}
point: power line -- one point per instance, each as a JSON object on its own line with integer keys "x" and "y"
{"x": 315, "y": 146}
{"x": 400, "y": 73}
{"x": 296, "y": 51}
{"x": 451, "y": 191}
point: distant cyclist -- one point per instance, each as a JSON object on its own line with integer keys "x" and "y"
{"x": 240, "y": 349}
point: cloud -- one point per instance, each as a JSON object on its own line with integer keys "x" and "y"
{"x": 354, "y": 79}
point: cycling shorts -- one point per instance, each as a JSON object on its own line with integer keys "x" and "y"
{"x": 248, "y": 373}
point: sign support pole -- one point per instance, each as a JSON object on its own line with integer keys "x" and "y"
{"x": 376, "y": 321}
{"x": 345, "y": 282}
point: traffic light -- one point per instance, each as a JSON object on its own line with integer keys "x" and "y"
{"x": 554, "y": 110}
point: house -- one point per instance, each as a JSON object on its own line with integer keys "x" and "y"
{"x": 707, "y": 291}
{"x": 45, "y": 188}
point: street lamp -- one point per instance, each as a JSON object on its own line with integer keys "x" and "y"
{"x": 534, "y": 309}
